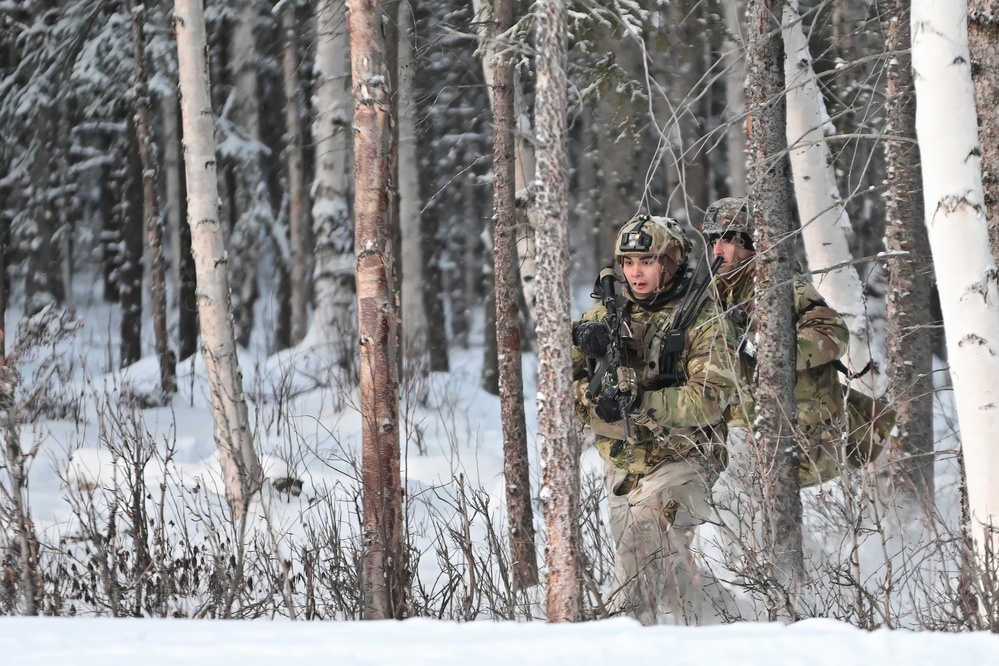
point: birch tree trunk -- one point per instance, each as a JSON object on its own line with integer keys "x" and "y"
{"x": 775, "y": 447}
{"x": 155, "y": 263}
{"x": 983, "y": 35}
{"x": 556, "y": 431}
{"x": 240, "y": 466}
{"x": 184, "y": 279}
{"x": 333, "y": 325}
{"x": 909, "y": 336}
{"x": 384, "y": 555}
{"x": 953, "y": 197}
{"x": 298, "y": 199}
{"x": 825, "y": 224}
{"x": 495, "y": 21}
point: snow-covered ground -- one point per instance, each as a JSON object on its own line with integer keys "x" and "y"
{"x": 153, "y": 642}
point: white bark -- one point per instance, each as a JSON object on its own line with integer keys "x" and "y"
{"x": 946, "y": 127}
{"x": 240, "y": 467}
{"x": 825, "y": 224}
{"x": 331, "y": 218}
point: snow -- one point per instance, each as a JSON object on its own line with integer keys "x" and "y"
{"x": 453, "y": 439}
{"x": 154, "y": 642}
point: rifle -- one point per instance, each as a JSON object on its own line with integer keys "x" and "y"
{"x": 612, "y": 379}
{"x": 673, "y": 338}
{"x": 694, "y": 297}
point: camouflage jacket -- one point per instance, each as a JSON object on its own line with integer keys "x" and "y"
{"x": 675, "y": 422}
{"x": 822, "y": 337}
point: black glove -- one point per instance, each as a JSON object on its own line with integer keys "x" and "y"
{"x": 608, "y": 410}
{"x": 608, "y": 407}
{"x": 592, "y": 338}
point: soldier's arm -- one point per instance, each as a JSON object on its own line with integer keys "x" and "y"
{"x": 712, "y": 376}
{"x": 579, "y": 365}
{"x": 822, "y": 334}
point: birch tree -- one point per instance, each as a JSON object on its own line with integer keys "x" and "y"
{"x": 953, "y": 197}
{"x": 384, "y": 555}
{"x": 909, "y": 336}
{"x": 173, "y": 204}
{"x": 774, "y": 446}
{"x": 556, "y": 431}
{"x": 825, "y": 224}
{"x": 241, "y": 472}
{"x": 333, "y": 325}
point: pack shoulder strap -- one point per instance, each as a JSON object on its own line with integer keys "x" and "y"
{"x": 839, "y": 365}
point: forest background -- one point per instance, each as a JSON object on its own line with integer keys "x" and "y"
{"x": 656, "y": 123}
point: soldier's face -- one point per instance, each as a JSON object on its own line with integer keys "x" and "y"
{"x": 645, "y": 275}
{"x": 732, "y": 254}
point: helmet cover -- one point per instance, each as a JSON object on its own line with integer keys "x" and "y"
{"x": 729, "y": 218}
{"x": 648, "y": 236}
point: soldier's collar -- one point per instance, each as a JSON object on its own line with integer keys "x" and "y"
{"x": 733, "y": 276}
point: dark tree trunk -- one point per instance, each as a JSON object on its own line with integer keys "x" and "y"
{"x": 150, "y": 206}
{"x": 433, "y": 293}
{"x": 187, "y": 302}
{"x": 910, "y": 277}
{"x": 384, "y": 558}
{"x": 298, "y": 199}
{"x": 489, "y": 379}
{"x": 516, "y": 468}
{"x": 777, "y": 450}
{"x": 43, "y": 266}
{"x": 130, "y": 273}
{"x": 983, "y": 34}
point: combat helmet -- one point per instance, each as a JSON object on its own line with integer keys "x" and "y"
{"x": 649, "y": 236}
{"x": 729, "y": 218}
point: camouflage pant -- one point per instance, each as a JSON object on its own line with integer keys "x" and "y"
{"x": 653, "y": 519}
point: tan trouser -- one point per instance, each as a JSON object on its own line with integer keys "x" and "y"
{"x": 653, "y": 525}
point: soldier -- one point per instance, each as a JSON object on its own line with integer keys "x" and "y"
{"x": 655, "y": 370}
{"x": 822, "y": 338}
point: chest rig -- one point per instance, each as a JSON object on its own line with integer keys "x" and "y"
{"x": 656, "y": 347}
